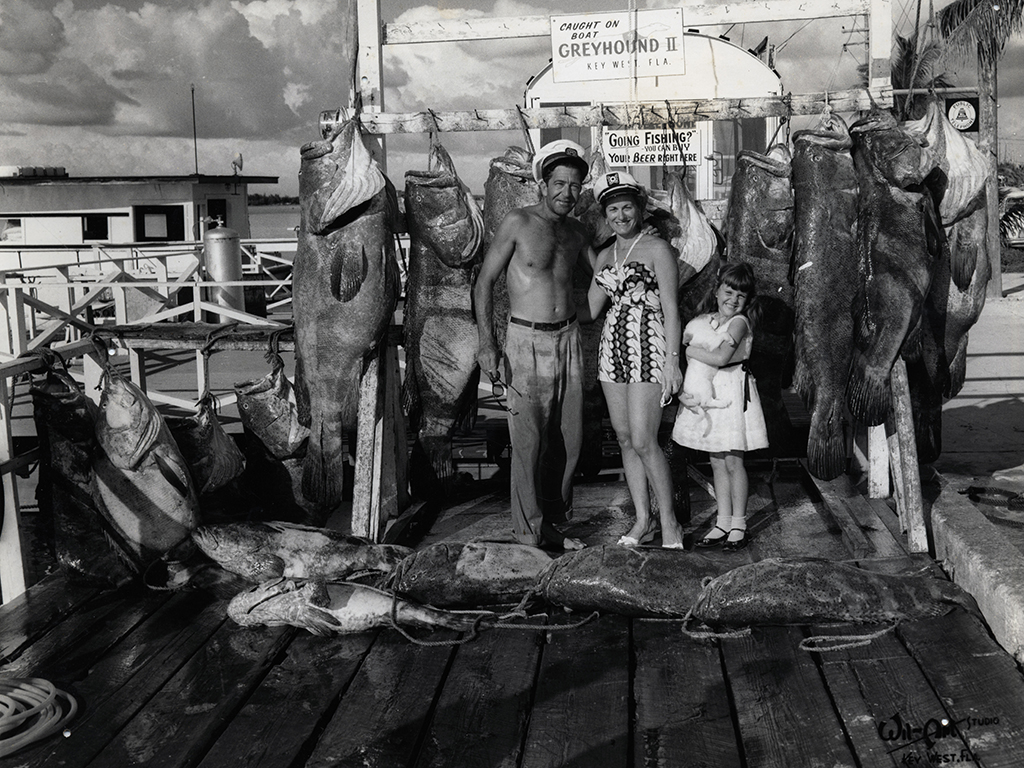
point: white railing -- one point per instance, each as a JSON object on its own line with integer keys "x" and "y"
{"x": 58, "y": 298}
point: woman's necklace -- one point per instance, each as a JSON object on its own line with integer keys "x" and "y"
{"x": 615, "y": 254}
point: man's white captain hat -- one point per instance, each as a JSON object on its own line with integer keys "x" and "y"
{"x": 554, "y": 151}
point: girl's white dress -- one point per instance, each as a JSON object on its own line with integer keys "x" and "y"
{"x": 738, "y": 427}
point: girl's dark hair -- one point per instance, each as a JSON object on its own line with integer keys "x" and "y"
{"x": 738, "y": 275}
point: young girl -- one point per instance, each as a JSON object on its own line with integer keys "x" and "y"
{"x": 739, "y": 427}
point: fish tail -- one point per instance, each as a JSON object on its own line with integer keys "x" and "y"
{"x": 868, "y": 394}
{"x": 957, "y": 370}
{"x": 826, "y": 443}
{"x": 323, "y": 478}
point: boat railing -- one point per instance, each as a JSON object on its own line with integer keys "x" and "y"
{"x": 64, "y": 298}
{"x": 124, "y": 301}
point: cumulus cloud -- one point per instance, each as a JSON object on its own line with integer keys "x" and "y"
{"x": 30, "y": 38}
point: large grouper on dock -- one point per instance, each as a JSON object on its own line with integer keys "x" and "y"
{"x": 826, "y": 271}
{"x": 640, "y": 582}
{"x": 798, "y": 591}
{"x": 142, "y": 481}
{"x": 439, "y": 393}
{"x": 345, "y": 286}
{"x": 260, "y": 551}
{"x": 339, "y": 608}
{"x": 464, "y": 574}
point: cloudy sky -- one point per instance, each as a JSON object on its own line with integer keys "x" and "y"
{"x": 104, "y": 87}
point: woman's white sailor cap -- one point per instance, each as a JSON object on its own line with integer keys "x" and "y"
{"x": 552, "y": 152}
{"x": 614, "y": 183}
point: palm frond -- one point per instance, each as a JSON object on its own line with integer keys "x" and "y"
{"x": 975, "y": 30}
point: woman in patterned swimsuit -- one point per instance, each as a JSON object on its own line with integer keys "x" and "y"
{"x": 638, "y": 273}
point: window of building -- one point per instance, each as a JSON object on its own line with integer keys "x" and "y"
{"x": 95, "y": 226}
{"x": 159, "y": 222}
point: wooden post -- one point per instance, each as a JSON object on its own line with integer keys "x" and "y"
{"x": 12, "y": 566}
{"x": 988, "y": 129}
{"x": 878, "y": 463}
{"x": 909, "y": 480}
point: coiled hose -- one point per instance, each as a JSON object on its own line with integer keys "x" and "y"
{"x": 31, "y": 709}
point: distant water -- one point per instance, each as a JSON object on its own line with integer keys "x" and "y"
{"x": 273, "y": 220}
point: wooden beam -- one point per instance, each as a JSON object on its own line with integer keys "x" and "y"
{"x": 460, "y": 29}
{"x": 664, "y": 114}
{"x": 912, "y": 513}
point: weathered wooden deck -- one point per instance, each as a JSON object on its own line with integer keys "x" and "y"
{"x": 165, "y": 679}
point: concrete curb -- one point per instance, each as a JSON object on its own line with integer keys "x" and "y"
{"x": 978, "y": 557}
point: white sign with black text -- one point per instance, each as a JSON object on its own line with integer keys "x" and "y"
{"x": 654, "y": 146}
{"x": 610, "y": 46}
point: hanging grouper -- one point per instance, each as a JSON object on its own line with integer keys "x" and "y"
{"x": 446, "y": 233}
{"x": 66, "y": 425}
{"x": 826, "y": 274}
{"x": 510, "y": 184}
{"x": 345, "y": 285}
{"x": 141, "y": 479}
{"x": 898, "y": 239}
{"x": 759, "y": 230}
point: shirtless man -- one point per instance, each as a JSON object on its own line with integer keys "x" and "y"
{"x": 538, "y": 247}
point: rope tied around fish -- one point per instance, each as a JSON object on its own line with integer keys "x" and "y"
{"x": 502, "y": 621}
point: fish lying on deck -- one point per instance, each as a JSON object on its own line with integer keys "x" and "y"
{"x": 446, "y": 231}
{"x": 640, "y": 582}
{"x": 797, "y": 591}
{"x": 899, "y": 238}
{"x": 450, "y": 574}
{"x": 345, "y": 286}
{"x": 261, "y": 551}
{"x": 826, "y": 277}
{"x": 65, "y": 422}
{"x": 213, "y": 458}
{"x": 326, "y": 609}
{"x": 141, "y": 478}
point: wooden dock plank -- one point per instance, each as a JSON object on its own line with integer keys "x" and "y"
{"x": 835, "y": 495}
{"x": 82, "y": 637}
{"x": 384, "y": 712}
{"x": 683, "y": 714}
{"x": 880, "y": 692}
{"x": 783, "y": 708}
{"x": 178, "y": 723}
{"x": 982, "y": 687}
{"x": 279, "y": 722}
{"x": 797, "y": 528}
{"x": 580, "y": 714}
{"x": 114, "y": 689}
{"x": 29, "y": 615}
{"x": 483, "y": 711}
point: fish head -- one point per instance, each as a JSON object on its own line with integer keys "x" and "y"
{"x": 280, "y": 602}
{"x": 443, "y": 215}
{"x": 242, "y": 548}
{"x": 336, "y": 175}
{"x": 127, "y": 423}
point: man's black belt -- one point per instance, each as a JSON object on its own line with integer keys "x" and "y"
{"x": 556, "y": 326}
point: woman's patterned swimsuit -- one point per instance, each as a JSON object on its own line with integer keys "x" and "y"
{"x": 633, "y": 337}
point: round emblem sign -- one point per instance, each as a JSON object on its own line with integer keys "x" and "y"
{"x": 962, "y": 115}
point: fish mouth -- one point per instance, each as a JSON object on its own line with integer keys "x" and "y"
{"x": 765, "y": 162}
{"x": 272, "y": 589}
